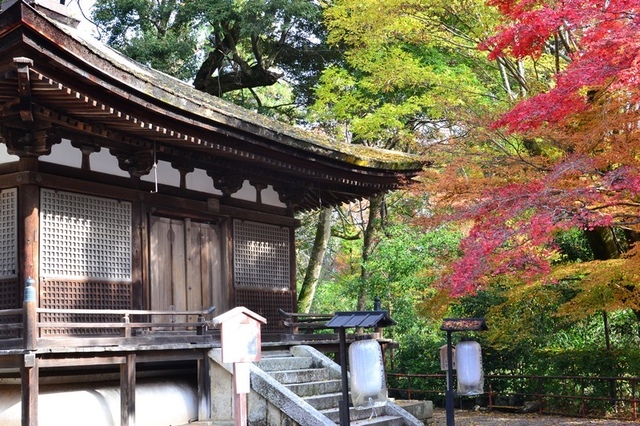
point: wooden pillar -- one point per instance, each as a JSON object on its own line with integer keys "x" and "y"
{"x": 139, "y": 257}
{"x": 29, "y": 251}
{"x": 292, "y": 271}
{"x": 227, "y": 275}
{"x": 204, "y": 387}
{"x": 29, "y": 230}
{"x": 128, "y": 391}
{"x": 30, "y": 389}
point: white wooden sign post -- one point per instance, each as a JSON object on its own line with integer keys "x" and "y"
{"x": 241, "y": 345}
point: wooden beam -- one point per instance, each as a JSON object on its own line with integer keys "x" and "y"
{"x": 80, "y": 362}
{"x": 128, "y": 391}
{"x": 24, "y": 87}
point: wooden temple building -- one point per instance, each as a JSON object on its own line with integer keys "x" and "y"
{"x": 132, "y": 204}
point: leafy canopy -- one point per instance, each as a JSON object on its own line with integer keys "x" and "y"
{"x": 596, "y": 39}
{"x": 409, "y": 65}
{"x": 222, "y": 45}
{"x": 564, "y": 155}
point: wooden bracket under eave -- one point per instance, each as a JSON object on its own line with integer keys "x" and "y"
{"x": 24, "y": 87}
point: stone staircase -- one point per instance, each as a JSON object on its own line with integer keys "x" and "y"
{"x": 308, "y": 387}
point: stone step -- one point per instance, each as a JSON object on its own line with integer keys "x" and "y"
{"x": 356, "y": 414}
{"x": 324, "y": 401}
{"x": 208, "y": 423}
{"x": 279, "y": 363}
{"x": 316, "y": 388}
{"x": 276, "y": 353}
{"x": 300, "y": 376}
{"x": 380, "y": 421}
{"x": 321, "y": 387}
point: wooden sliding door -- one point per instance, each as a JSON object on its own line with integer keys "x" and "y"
{"x": 185, "y": 266}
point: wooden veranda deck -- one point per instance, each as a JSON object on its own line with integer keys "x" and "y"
{"x": 46, "y": 330}
{"x": 34, "y": 339}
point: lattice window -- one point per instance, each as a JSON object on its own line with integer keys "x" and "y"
{"x": 84, "y": 237}
{"x": 10, "y": 294}
{"x": 261, "y": 255}
{"x": 10, "y": 298}
{"x": 8, "y": 233}
{"x": 83, "y": 295}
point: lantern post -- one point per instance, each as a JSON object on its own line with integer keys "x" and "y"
{"x": 450, "y": 325}
{"x": 357, "y": 319}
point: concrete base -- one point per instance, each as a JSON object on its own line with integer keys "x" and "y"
{"x": 422, "y": 410}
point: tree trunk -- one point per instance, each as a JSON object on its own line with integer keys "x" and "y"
{"x": 603, "y": 244}
{"x": 316, "y": 259}
{"x": 607, "y": 335}
{"x": 368, "y": 244}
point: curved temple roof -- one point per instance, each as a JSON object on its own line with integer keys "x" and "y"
{"x": 54, "y": 76}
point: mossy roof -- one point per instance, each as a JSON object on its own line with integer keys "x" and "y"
{"x": 175, "y": 93}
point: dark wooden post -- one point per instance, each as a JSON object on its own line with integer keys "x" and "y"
{"x": 202, "y": 328}
{"x": 30, "y": 388}
{"x": 128, "y": 391}
{"x": 204, "y": 387}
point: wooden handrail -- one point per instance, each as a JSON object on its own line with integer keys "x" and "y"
{"x": 9, "y": 312}
{"x": 308, "y": 323}
{"x": 121, "y": 323}
{"x": 126, "y": 325}
{"x": 121, "y": 312}
{"x": 300, "y": 315}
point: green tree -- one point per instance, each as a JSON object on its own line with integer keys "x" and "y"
{"x": 316, "y": 260}
{"x": 410, "y": 68}
{"x": 164, "y": 35}
{"x": 223, "y": 46}
{"x": 401, "y": 271}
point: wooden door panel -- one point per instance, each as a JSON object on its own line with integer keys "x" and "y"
{"x": 215, "y": 289}
{"x": 185, "y": 266}
{"x": 193, "y": 288}
{"x": 159, "y": 271}
{"x": 178, "y": 268}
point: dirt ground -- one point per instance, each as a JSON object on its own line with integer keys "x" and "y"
{"x": 481, "y": 418}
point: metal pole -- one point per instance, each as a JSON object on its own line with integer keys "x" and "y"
{"x": 449, "y": 394}
{"x": 344, "y": 403}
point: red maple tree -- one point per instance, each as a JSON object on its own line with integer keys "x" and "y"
{"x": 599, "y": 39}
{"x": 567, "y": 156}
